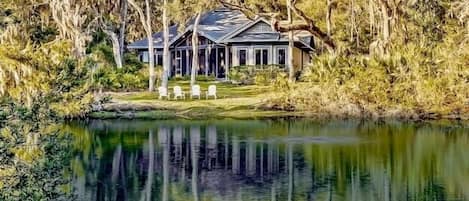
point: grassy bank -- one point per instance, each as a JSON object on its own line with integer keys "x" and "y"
{"x": 243, "y": 102}
{"x": 233, "y": 102}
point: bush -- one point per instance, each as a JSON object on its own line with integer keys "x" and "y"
{"x": 408, "y": 83}
{"x": 261, "y": 75}
{"x": 181, "y": 78}
{"x": 132, "y": 76}
{"x": 205, "y": 78}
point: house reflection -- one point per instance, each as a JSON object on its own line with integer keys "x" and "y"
{"x": 206, "y": 158}
{"x": 175, "y": 161}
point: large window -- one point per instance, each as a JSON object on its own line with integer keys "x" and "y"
{"x": 262, "y": 57}
{"x": 242, "y": 54}
{"x": 281, "y": 56}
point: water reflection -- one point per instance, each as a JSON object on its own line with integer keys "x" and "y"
{"x": 264, "y": 160}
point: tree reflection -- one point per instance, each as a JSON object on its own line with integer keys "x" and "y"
{"x": 302, "y": 161}
{"x": 195, "y": 148}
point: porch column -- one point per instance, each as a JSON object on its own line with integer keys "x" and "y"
{"x": 216, "y": 61}
{"x": 188, "y": 67}
{"x": 227, "y": 62}
{"x": 170, "y": 63}
{"x": 207, "y": 58}
{"x": 273, "y": 54}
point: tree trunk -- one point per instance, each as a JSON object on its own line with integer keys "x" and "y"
{"x": 115, "y": 47}
{"x": 116, "y": 165}
{"x": 147, "y": 194}
{"x": 122, "y": 28}
{"x": 372, "y": 18}
{"x": 386, "y": 12}
{"x": 329, "y": 18}
{"x": 195, "y": 49}
{"x": 166, "y": 59}
{"x": 146, "y": 23}
{"x": 291, "y": 68}
{"x": 151, "y": 50}
{"x": 352, "y": 19}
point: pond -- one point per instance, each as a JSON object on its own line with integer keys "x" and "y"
{"x": 269, "y": 160}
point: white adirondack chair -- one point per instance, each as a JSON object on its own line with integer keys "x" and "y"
{"x": 163, "y": 92}
{"x": 212, "y": 91}
{"x": 195, "y": 91}
{"x": 178, "y": 93}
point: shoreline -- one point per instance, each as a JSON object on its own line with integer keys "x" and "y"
{"x": 140, "y": 112}
{"x": 243, "y": 102}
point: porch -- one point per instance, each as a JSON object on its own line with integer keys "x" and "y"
{"x": 214, "y": 60}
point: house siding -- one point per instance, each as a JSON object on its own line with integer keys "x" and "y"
{"x": 300, "y": 59}
{"x": 251, "y": 60}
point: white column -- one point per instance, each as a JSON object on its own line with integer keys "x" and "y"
{"x": 216, "y": 61}
{"x": 207, "y": 59}
{"x": 227, "y": 62}
{"x": 188, "y": 60}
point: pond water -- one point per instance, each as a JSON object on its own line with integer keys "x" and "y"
{"x": 269, "y": 160}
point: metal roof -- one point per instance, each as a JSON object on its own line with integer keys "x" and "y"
{"x": 221, "y": 26}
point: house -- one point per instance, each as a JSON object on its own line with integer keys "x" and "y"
{"x": 227, "y": 39}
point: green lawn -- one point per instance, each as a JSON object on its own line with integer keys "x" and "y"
{"x": 233, "y": 101}
{"x": 224, "y": 90}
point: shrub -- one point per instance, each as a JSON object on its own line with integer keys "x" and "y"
{"x": 409, "y": 83}
{"x": 261, "y": 75}
{"x": 181, "y": 78}
{"x": 132, "y": 76}
{"x": 205, "y": 78}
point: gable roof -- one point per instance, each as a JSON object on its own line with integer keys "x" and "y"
{"x": 218, "y": 23}
{"x": 222, "y": 26}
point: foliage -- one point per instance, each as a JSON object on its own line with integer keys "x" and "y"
{"x": 133, "y": 76}
{"x": 42, "y": 81}
{"x": 411, "y": 82}
{"x": 200, "y": 78}
{"x": 260, "y": 75}
{"x": 34, "y": 161}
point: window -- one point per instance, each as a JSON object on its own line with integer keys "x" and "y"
{"x": 242, "y": 57}
{"x": 281, "y": 56}
{"x": 262, "y": 57}
{"x": 145, "y": 57}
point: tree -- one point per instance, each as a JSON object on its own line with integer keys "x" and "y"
{"x": 73, "y": 23}
{"x": 291, "y": 43}
{"x": 195, "y": 49}
{"x": 183, "y": 12}
{"x": 166, "y": 56}
{"x": 111, "y": 24}
{"x": 462, "y": 9}
{"x": 123, "y": 25}
{"x": 145, "y": 19}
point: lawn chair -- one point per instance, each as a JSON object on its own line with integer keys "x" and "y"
{"x": 163, "y": 92}
{"x": 178, "y": 93}
{"x": 212, "y": 91}
{"x": 195, "y": 91}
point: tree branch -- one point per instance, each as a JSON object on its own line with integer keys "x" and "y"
{"x": 141, "y": 15}
{"x": 307, "y": 25}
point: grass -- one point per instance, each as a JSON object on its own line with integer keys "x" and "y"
{"x": 233, "y": 102}
{"x": 224, "y": 90}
